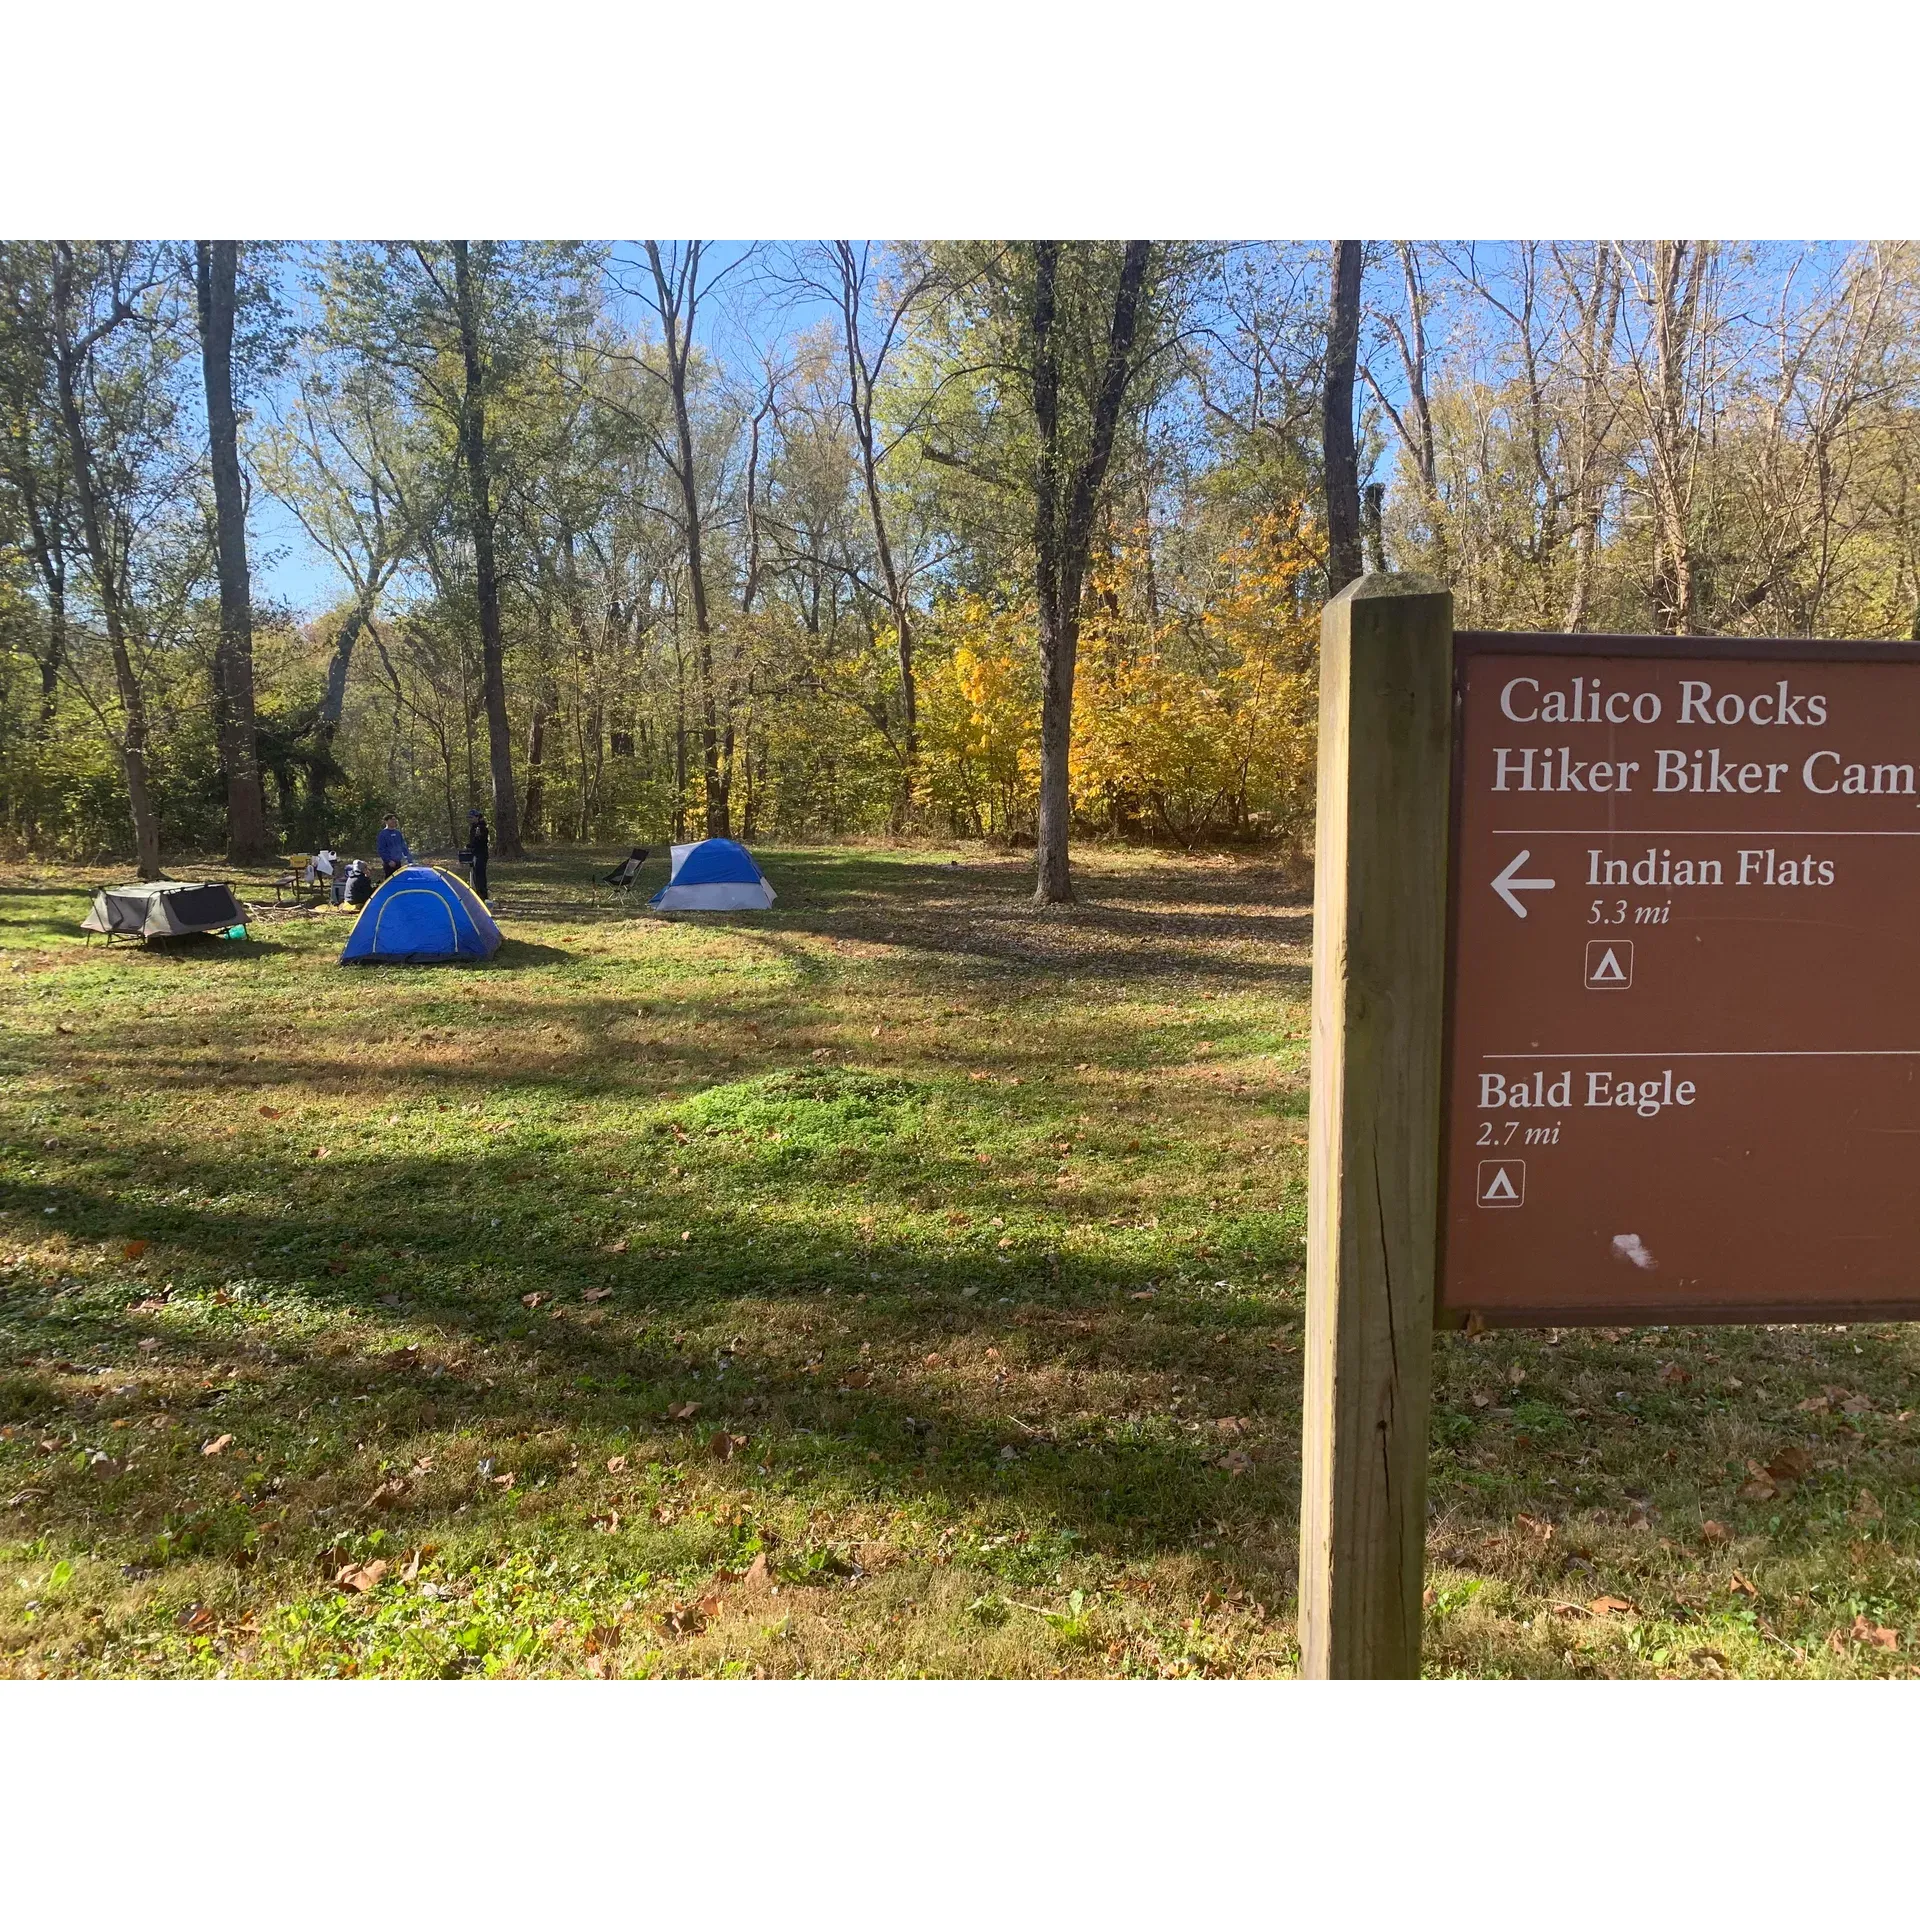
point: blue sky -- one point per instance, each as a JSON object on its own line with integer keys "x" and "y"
{"x": 746, "y": 313}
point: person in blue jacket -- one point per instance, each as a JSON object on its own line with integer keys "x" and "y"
{"x": 392, "y": 847}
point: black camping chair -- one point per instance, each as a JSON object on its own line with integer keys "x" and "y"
{"x": 628, "y": 870}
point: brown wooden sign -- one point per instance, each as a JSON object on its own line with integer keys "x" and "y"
{"x": 1683, "y": 1040}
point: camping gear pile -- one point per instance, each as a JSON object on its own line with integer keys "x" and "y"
{"x": 713, "y": 876}
{"x": 164, "y": 910}
{"x": 420, "y": 915}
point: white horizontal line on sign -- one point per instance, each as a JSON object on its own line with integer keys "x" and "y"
{"x": 1732, "y": 1053}
{"x": 1714, "y": 833}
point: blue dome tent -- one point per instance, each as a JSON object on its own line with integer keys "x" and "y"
{"x": 422, "y": 914}
{"x": 713, "y": 876}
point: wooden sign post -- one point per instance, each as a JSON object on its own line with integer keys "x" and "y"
{"x": 1614, "y": 945}
{"x": 1379, "y": 991}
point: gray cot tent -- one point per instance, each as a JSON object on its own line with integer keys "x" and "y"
{"x": 160, "y": 909}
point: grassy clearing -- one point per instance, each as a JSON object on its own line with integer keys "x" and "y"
{"x": 904, "y": 1282}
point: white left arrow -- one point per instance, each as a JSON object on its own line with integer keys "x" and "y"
{"x": 1508, "y": 888}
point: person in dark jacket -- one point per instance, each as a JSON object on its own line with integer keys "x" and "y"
{"x": 392, "y": 847}
{"x": 477, "y": 850}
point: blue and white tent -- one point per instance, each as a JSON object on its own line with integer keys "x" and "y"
{"x": 713, "y": 876}
{"x": 422, "y": 914}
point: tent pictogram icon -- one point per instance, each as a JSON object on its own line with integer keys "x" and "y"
{"x": 1501, "y": 1183}
{"x": 1609, "y": 966}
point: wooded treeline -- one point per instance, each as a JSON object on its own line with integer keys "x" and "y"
{"x": 988, "y": 538}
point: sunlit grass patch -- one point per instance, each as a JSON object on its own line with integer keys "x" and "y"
{"x": 837, "y": 1291}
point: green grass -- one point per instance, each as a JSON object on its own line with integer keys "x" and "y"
{"x": 929, "y": 1265}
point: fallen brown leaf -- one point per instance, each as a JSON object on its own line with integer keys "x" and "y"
{"x": 1611, "y": 1603}
{"x": 192, "y": 1617}
{"x": 1739, "y": 1583}
{"x": 134, "y": 1249}
{"x": 1790, "y": 1463}
{"x": 723, "y": 1446}
{"x": 535, "y": 1299}
{"x": 618, "y": 1464}
{"x": 858, "y": 1378}
{"x": 387, "y": 1493}
{"x": 270, "y": 1113}
{"x": 685, "y": 1411}
{"x": 1866, "y": 1507}
{"x": 1673, "y": 1374}
{"x": 1885, "y": 1638}
{"x": 1235, "y": 1463}
{"x": 1540, "y": 1529}
{"x": 592, "y": 1294}
{"x": 757, "y": 1578}
{"x": 1714, "y": 1533}
{"x": 218, "y": 1446}
{"x": 606, "y": 1522}
{"x": 1758, "y": 1485}
{"x": 357, "y": 1578}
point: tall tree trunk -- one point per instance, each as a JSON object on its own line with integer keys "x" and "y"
{"x": 536, "y": 771}
{"x": 333, "y": 698}
{"x": 1419, "y": 411}
{"x": 55, "y": 657}
{"x": 1678, "y": 280}
{"x": 1599, "y": 316}
{"x": 473, "y": 423}
{"x": 1065, "y": 498}
{"x": 860, "y": 376}
{"x": 131, "y": 745}
{"x": 679, "y": 826}
{"x": 677, "y": 307}
{"x": 217, "y": 266}
{"x": 50, "y": 556}
{"x": 1340, "y": 457}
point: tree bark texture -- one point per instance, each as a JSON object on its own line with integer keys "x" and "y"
{"x": 473, "y": 435}
{"x": 1340, "y": 459}
{"x": 216, "y": 264}
{"x": 1066, "y": 494}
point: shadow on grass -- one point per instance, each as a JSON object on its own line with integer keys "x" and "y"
{"x": 1118, "y": 1467}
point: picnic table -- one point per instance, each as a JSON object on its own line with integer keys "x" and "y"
{"x": 293, "y": 881}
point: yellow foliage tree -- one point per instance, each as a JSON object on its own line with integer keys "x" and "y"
{"x": 980, "y": 717}
{"x": 1201, "y": 717}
